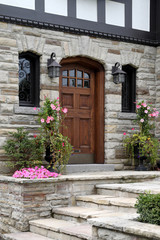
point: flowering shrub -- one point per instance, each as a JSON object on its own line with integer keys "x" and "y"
{"x": 35, "y": 173}
{"x": 145, "y": 112}
{"x": 146, "y": 143}
{"x": 51, "y": 117}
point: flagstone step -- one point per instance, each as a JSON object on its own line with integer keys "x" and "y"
{"x": 80, "y": 168}
{"x": 110, "y": 228}
{"x": 82, "y": 214}
{"x": 131, "y": 190}
{"x": 24, "y": 236}
{"x": 61, "y": 230}
{"x": 107, "y": 202}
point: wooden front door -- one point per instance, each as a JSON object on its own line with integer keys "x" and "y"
{"x": 77, "y": 88}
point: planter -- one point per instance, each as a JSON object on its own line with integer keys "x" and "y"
{"x": 140, "y": 161}
{"x": 49, "y": 158}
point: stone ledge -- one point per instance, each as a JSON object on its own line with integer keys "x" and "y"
{"x": 110, "y": 175}
{"x": 128, "y": 116}
{"x": 25, "y": 110}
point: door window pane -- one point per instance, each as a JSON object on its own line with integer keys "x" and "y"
{"x": 79, "y": 83}
{"x": 86, "y": 75}
{"x": 72, "y": 73}
{"x": 86, "y": 84}
{"x": 64, "y": 82}
{"x": 65, "y": 73}
{"x": 79, "y": 74}
{"x": 72, "y": 82}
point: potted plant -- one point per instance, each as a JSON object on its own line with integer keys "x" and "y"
{"x": 58, "y": 147}
{"x": 142, "y": 145}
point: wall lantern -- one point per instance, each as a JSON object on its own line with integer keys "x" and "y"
{"x": 53, "y": 66}
{"x": 118, "y": 74}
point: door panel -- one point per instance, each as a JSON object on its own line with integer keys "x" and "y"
{"x": 77, "y": 94}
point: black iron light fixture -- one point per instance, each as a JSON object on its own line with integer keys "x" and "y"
{"x": 118, "y": 74}
{"x": 53, "y": 66}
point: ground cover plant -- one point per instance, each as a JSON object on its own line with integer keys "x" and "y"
{"x": 148, "y": 207}
{"x": 35, "y": 173}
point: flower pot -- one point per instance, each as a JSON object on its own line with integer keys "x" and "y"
{"x": 49, "y": 158}
{"x": 139, "y": 160}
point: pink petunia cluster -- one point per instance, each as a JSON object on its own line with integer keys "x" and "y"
{"x": 35, "y": 173}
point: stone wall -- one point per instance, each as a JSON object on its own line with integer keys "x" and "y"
{"x": 22, "y": 200}
{"x": 16, "y": 39}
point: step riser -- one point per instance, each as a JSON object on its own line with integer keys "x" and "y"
{"x": 53, "y": 235}
{"x": 106, "y": 207}
{"x": 103, "y": 233}
{"x": 69, "y": 218}
{"x": 116, "y": 193}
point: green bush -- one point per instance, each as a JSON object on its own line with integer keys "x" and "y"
{"x": 148, "y": 206}
{"x": 23, "y": 151}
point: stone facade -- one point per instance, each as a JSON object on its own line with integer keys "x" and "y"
{"x": 15, "y": 39}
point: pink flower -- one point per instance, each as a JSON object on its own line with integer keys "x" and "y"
{"x": 144, "y": 104}
{"x": 48, "y": 121}
{"x": 63, "y": 144}
{"x": 35, "y": 136}
{"x": 157, "y": 113}
{"x": 34, "y": 173}
{"x": 124, "y": 133}
{"x": 53, "y": 106}
{"x": 51, "y": 118}
{"x": 34, "y": 108}
{"x": 65, "y": 110}
{"x": 149, "y": 115}
{"x": 132, "y": 128}
{"x": 146, "y": 111}
{"x": 142, "y": 120}
{"x": 138, "y": 106}
{"x": 148, "y": 107}
{"x": 42, "y": 120}
{"x": 58, "y": 109}
{"x": 57, "y": 98}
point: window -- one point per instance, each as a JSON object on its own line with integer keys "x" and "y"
{"x": 87, "y": 10}
{"x": 30, "y": 4}
{"x": 29, "y": 79}
{"x": 115, "y": 13}
{"x": 141, "y": 15}
{"x": 56, "y": 7}
{"x": 129, "y": 89}
{"x": 75, "y": 78}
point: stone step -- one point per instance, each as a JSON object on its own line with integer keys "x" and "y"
{"x": 82, "y": 214}
{"x": 131, "y": 190}
{"x": 80, "y": 168}
{"x": 24, "y": 236}
{"x": 117, "y": 228}
{"x": 106, "y": 202}
{"x": 61, "y": 230}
